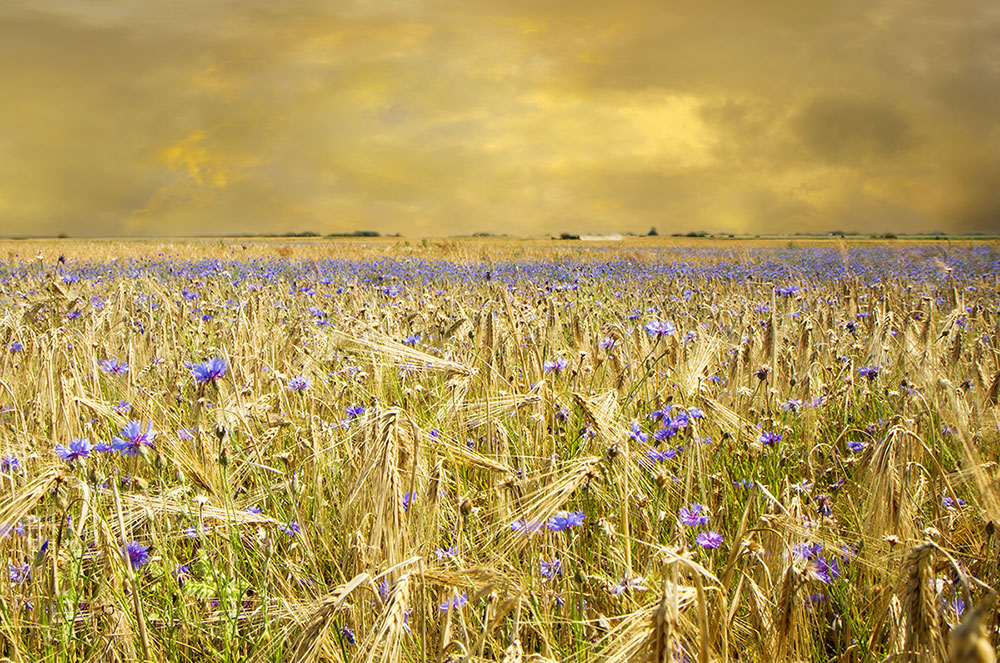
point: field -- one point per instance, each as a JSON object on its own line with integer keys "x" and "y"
{"x": 492, "y": 450}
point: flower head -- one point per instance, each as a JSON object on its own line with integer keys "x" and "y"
{"x": 526, "y": 527}
{"x": 136, "y": 554}
{"x": 78, "y": 449}
{"x": 456, "y": 602}
{"x": 209, "y": 371}
{"x": 563, "y": 520}
{"x": 298, "y": 383}
{"x": 10, "y": 463}
{"x": 693, "y": 515}
{"x": 551, "y": 569}
{"x": 658, "y": 456}
{"x": 19, "y": 573}
{"x": 827, "y": 569}
{"x": 869, "y": 372}
{"x": 133, "y": 438}
{"x": 767, "y": 438}
{"x": 636, "y": 433}
{"x": 709, "y": 539}
{"x": 634, "y": 583}
{"x": 555, "y": 365}
{"x": 658, "y": 328}
{"x": 855, "y": 446}
{"x": 113, "y": 367}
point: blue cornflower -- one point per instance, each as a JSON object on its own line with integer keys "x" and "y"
{"x": 636, "y": 433}
{"x": 17, "y": 528}
{"x": 824, "y": 506}
{"x": 563, "y": 520}
{"x": 551, "y": 569}
{"x": 692, "y": 515}
{"x": 78, "y": 449}
{"x": 807, "y": 550}
{"x": 634, "y": 583}
{"x": 658, "y": 456}
{"x": 407, "y": 500}
{"x": 16, "y": 346}
{"x": 348, "y": 635}
{"x": 665, "y": 432}
{"x": 209, "y": 371}
{"x": 355, "y": 411}
{"x": 709, "y": 539}
{"x": 456, "y": 602}
{"x": 113, "y": 367}
{"x": 827, "y": 569}
{"x": 441, "y": 553}
{"x": 133, "y": 438}
{"x": 855, "y": 446}
{"x": 555, "y": 365}
{"x": 298, "y": 383}
{"x": 661, "y": 414}
{"x": 181, "y": 573}
{"x": 792, "y": 405}
{"x": 19, "y": 574}
{"x": 869, "y": 372}
{"x": 768, "y": 438}
{"x": 526, "y": 527}
{"x": 291, "y": 529}
{"x": 413, "y": 339}
{"x": 10, "y": 463}
{"x": 949, "y": 503}
{"x": 607, "y": 343}
{"x": 136, "y": 554}
{"x": 658, "y": 328}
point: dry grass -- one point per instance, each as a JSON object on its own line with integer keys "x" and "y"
{"x": 494, "y": 469}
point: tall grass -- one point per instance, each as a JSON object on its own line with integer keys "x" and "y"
{"x": 496, "y": 452}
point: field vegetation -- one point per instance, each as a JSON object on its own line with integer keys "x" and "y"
{"x": 492, "y": 450}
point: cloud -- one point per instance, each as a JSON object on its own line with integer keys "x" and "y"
{"x": 200, "y": 116}
{"x": 852, "y": 130}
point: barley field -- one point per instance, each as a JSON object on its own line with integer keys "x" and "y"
{"x": 499, "y": 450}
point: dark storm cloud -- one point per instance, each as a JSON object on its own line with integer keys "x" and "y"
{"x": 853, "y": 131}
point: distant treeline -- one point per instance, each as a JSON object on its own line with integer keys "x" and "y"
{"x": 309, "y": 233}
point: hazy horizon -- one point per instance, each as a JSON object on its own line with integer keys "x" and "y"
{"x": 227, "y": 117}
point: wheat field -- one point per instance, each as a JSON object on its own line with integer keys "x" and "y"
{"x": 499, "y": 450}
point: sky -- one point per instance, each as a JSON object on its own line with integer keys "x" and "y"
{"x": 522, "y": 117}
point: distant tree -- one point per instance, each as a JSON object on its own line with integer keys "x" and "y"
{"x": 568, "y": 236}
{"x": 652, "y": 232}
